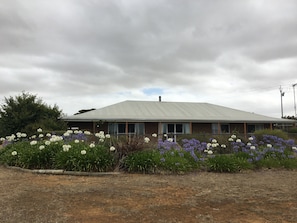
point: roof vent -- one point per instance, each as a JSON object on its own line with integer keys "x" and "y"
{"x": 160, "y": 99}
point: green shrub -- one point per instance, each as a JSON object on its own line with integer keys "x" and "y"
{"x": 227, "y": 163}
{"x": 275, "y": 132}
{"x": 141, "y": 161}
{"x": 80, "y": 157}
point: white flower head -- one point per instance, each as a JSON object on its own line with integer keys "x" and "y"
{"x": 238, "y": 140}
{"x": 253, "y": 147}
{"x": 40, "y": 135}
{"x": 34, "y": 142}
{"x": 47, "y": 142}
{"x": 146, "y": 139}
{"x": 76, "y": 141}
{"x": 66, "y": 134}
{"x": 249, "y": 144}
{"x": 269, "y": 146}
{"x": 2, "y": 139}
{"x": 112, "y": 148}
{"x": 107, "y": 136}
{"x": 41, "y": 147}
{"x": 39, "y": 130}
{"x": 294, "y": 148}
{"x": 233, "y": 136}
{"x": 251, "y": 138}
{"x": 14, "y": 153}
{"x": 154, "y": 135}
{"x": 101, "y": 140}
{"x": 214, "y": 141}
{"x": 24, "y": 135}
{"x": 66, "y": 148}
{"x": 231, "y": 139}
{"x": 19, "y": 134}
{"x": 92, "y": 145}
{"x": 209, "y": 152}
{"x": 170, "y": 139}
{"x": 48, "y": 135}
{"x": 83, "y": 152}
{"x": 223, "y": 146}
{"x": 208, "y": 145}
{"x": 87, "y": 132}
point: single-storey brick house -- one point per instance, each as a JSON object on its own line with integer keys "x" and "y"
{"x": 174, "y": 118}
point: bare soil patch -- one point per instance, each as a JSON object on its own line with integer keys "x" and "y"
{"x": 261, "y": 196}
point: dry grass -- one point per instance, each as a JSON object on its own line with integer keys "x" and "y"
{"x": 264, "y": 196}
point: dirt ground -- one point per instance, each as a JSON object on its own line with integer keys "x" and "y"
{"x": 261, "y": 196}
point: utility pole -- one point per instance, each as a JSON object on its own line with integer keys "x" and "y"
{"x": 295, "y": 115}
{"x": 282, "y": 94}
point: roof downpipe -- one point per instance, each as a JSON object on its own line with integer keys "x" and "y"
{"x": 160, "y": 99}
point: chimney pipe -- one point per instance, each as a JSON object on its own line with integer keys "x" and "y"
{"x": 160, "y": 99}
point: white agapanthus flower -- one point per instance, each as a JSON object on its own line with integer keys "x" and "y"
{"x": 251, "y": 138}
{"x": 23, "y": 135}
{"x": 66, "y": 134}
{"x": 253, "y": 147}
{"x": 66, "y": 148}
{"x": 214, "y": 141}
{"x": 2, "y": 139}
{"x": 101, "y": 140}
{"x": 112, "y": 148}
{"x": 107, "y": 136}
{"x": 170, "y": 139}
{"x": 83, "y": 152}
{"x": 224, "y": 146}
{"x": 249, "y": 144}
{"x": 40, "y": 135}
{"x": 19, "y": 134}
{"x": 14, "y": 153}
{"x": 39, "y": 130}
{"x": 209, "y": 152}
{"x": 76, "y": 141}
{"x": 294, "y": 148}
{"x": 34, "y": 142}
{"x": 48, "y": 135}
{"x": 146, "y": 139}
{"x": 238, "y": 140}
{"x": 154, "y": 135}
{"x": 92, "y": 145}
{"x": 269, "y": 146}
{"x": 41, "y": 147}
{"x": 87, "y": 132}
{"x": 231, "y": 139}
{"x": 47, "y": 142}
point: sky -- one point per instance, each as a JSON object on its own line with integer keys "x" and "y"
{"x": 94, "y": 53}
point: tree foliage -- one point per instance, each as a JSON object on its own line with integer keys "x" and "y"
{"x": 26, "y": 113}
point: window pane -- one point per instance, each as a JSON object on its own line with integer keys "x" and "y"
{"x": 179, "y": 128}
{"x": 251, "y": 128}
{"x": 186, "y": 128}
{"x": 225, "y": 128}
{"x": 215, "y": 128}
{"x": 112, "y": 128}
{"x": 170, "y": 128}
{"x": 121, "y": 128}
{"x": 131, "y": 128}
{"x": 139, "y": 128}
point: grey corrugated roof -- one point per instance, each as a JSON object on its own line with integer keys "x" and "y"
{"x": 171, "y": 111}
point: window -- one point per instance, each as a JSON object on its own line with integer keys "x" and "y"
{"x": 225, "y": 128}
{"x": 120, "y": 128}
{"x": 176, "y": 128}
{"x": 253, "y": 127}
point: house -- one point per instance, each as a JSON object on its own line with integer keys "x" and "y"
{"x": 173, "y": 118}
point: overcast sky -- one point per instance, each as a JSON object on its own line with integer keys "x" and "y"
{"x": 93, "y": 53}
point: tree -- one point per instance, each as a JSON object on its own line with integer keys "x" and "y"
{"x": 26, "y": 113}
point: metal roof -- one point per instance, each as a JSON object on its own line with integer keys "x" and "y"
{"x": 151, "y": 111}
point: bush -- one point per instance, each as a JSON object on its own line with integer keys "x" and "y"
{"x": 227, "y": 164}
{"x": 275, "y": 132}
{"x": 142, "y": 161}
